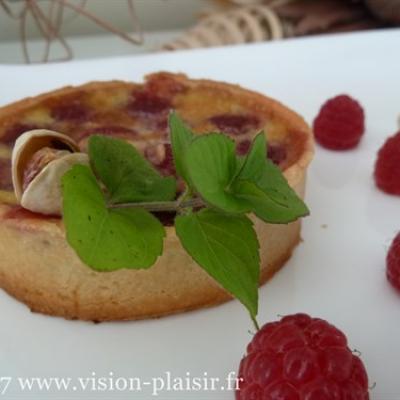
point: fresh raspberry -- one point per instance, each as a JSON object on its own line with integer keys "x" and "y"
{"x": 301, "y": 358}
{"x": 393, "y": 262}
{"x": 339, "y": 124}
{"x": 387, "y": 166}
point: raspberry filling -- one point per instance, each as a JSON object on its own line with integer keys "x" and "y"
{"x": 160, "y": 155}
{"x": 235, "y": 124}
{"x": 74, "y": 111}
{"x": 167, "y": 218}
{"x": 5, "y": 174}
{"x": 148, "y": 103}
{"x": 12, "y": 133}
{"x": 165, "y": 86}
{"x": 243, "y": 147}
{"x": 18, "y": 212}
{"x": 276, "y": 152}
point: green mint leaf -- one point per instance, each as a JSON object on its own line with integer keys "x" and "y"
{"x": 263, "y": 186}
{"x": 253, "y": 164}
{"x": 241, "y": 185}
{"x": 226, "y": 247}
{"x": 212, "y": 164}
{"x": 181, "y": 137}
{"x": 127, "y": 175}
{"x": 107, "y": 239}
{"x": 273, "y": 207}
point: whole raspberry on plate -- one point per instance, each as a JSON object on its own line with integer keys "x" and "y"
{"x": 387, "y": 166}
{"x": 393, "y": 262}
{"x": 301, "y": 358}
{"x": 340, "y": 123}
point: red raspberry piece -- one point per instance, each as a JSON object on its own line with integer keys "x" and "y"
{"x": 301, "y": 358}
{"x": 275, "y": 152}
{"x": 161, "y": 157}
{"x": 393, "y": 262}
{"x": 12, "y": 133}
{"x": 167, "y": 166}
{"x": 148, "y": 103}
{"x": 387, "y": 166}
{"x": 72, "y": 109}
{"x": 340, "y": 123}
{"x": 235, "y": 124}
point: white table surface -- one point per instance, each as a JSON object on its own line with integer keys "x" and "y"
{"x": 337, "y": 273}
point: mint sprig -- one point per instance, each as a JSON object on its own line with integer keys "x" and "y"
{"x": 110, "y": 211}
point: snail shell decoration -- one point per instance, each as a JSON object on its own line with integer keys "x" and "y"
{"x": 39, "y": 160}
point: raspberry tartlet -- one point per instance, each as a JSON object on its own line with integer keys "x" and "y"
{"x": 37, "y": 265}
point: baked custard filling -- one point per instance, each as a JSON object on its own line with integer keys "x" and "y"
{"x": 138, "y": 114}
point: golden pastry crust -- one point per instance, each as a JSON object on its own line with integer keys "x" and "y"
{"x": 39, "y": 268}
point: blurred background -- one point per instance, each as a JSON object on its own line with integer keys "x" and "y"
{"x": 33, "y": 31}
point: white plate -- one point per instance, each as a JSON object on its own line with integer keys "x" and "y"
{"x": 337, "y": 273}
